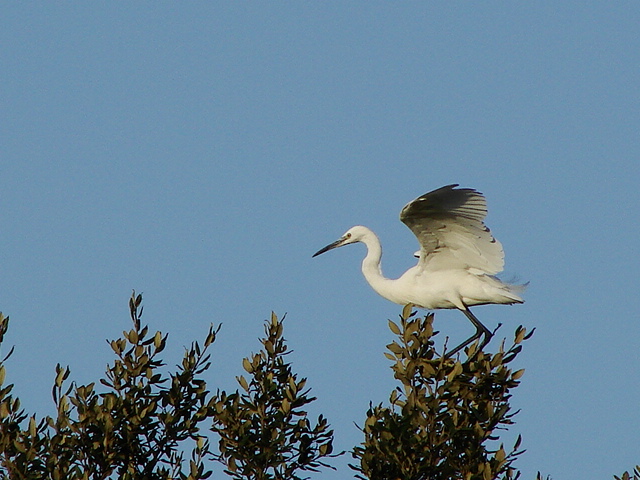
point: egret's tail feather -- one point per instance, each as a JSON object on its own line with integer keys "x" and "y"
{"x": 516, "y": 290}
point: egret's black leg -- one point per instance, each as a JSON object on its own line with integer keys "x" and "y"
{"x": 464, "y": 344}
{"x": 479, "y": 327}
{"x": 480, "y": 330}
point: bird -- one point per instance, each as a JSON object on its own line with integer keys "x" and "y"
{"x": 457, "y": 261}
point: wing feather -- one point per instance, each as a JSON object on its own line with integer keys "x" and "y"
{"x": 449, "y": 224}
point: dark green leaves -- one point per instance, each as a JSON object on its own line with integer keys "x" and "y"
{"x": 140, "y": 427}
{"x": 264, "y": 431}
{"x": 444, "y": 416}
{"x": 635, "y": 475}
{"x": 145, "y": 423}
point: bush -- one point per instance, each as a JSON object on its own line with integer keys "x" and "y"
{"x": 444, "y": 416}
{"x": 264, "y": 432}
{"x": 141, "y": 423}
{"x": 146, "y": 424}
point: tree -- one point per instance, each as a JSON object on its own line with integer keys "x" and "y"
{"x": 445, "y": 415}
{"x": 264, "y": 432}
{"x": 442, "y": 422}
{"x": 635, "y": 475}
{"x": 148, "y": 425}
{"x": 137, "y": 428}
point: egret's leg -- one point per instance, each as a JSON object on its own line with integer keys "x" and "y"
{"x": 469, "y": 340}
{"x": 480, "y": 330}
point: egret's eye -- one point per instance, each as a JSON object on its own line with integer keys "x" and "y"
{"x": 348, "y": 235}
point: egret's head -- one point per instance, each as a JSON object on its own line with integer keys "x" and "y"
{"x": 353, "y": 235}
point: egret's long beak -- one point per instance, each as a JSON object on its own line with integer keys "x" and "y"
{"x": 331, "y": 246}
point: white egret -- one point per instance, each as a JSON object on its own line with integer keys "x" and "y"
{"x": 457, "y": 260}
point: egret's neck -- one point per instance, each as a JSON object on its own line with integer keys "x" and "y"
{"x": 371, "y": 265}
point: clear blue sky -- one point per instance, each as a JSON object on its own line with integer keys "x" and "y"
{"x": 201, "y": 153}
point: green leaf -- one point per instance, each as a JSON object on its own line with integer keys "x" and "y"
{"x": 133, "y": 336}
{"x": 157, "y": 340}
{"x": 457, "y": 370}
{"x": 395, "y": 348}
{"x": 243, "y": 382}
{"x": 394, "y": 328}
{"x": 32, "y": 427}
{"x": 406, "y": 311}
{"x": 247, "y": 365}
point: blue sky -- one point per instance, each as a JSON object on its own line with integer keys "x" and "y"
{"x": 201, "y": 153}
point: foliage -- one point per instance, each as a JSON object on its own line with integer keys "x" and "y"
{"x": 264, "y": 433}
{"x": 444, "y": 417}
{"x": 442, "y": 423}
{"x": 136, "y": 429}
{"x": 147, "y": 425}
{"x": 635, "y": 475}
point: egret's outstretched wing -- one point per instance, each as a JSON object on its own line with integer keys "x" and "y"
{"x": 449, "y": 225}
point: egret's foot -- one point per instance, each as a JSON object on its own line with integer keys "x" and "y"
{"x": 487, "y": 338}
